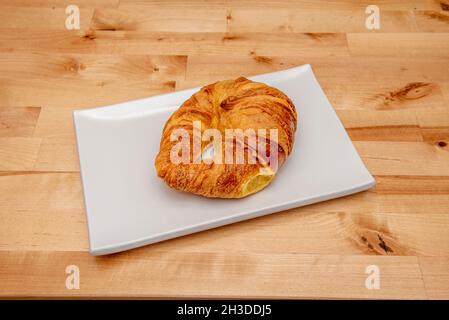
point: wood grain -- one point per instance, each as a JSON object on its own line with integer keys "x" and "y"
{"x": 171, "y": 43}
{"x": 140, "y": 17}
{"x": 239, "y": 274}
{"x": 351, "y": 19}
{"x": 40, "y": 18}
{"x": 18, "y": 122}
{"x": 17, "y": 153}
{"x": 436, "y": 276}
{"x": 390, "y": 88}
{"x": 399, "y": 44}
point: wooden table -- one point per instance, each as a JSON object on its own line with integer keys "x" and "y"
{"x": 390, "y": 88}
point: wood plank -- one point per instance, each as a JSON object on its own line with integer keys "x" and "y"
{"x": 435, "y": 126}
{"x": 77, "y": 93}
{"x": 315, "y": 20}
{"x": 55, "y": 122}
{"x": 445, "y": 89}
{"x": 412, "y": 185}
{"x": 202, "y": 70}
{"x": 404, "y": 158}
{"x": 382, "y": 69}
{"x": 56, "y": 228}
{"x": 437, "y": 118}
{"x": 158, "y": 43}
{"x": 393, "y": 5}
{"x": 377, "y": 70}
{"x": 25, "y": 190}
{"x": 383, "y": 96}
{"x": 176, "y": 4}
{"x": 399, "y": 44}
{"x": 435, "y": 273}
{"x": 164, "y": 274}
{"x": 18, "y": 153}
{"x": 19, "y": 121}
{"x": 432, "y": 20}
{"x": 92, "y": 67}
{"x": 57, "y": 153}
{"x": 42, "y": 211}
{"x": 389, "y": 125}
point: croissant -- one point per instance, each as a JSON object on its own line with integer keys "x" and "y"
{"x": 265, "y": 115}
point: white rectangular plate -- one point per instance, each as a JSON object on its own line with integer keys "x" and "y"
{"x": 128, "y": 206}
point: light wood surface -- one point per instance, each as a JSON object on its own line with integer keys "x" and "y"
{"x": 390, "y": 88}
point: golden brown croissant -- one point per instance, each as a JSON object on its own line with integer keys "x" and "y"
{"x": 238, "y": 104}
